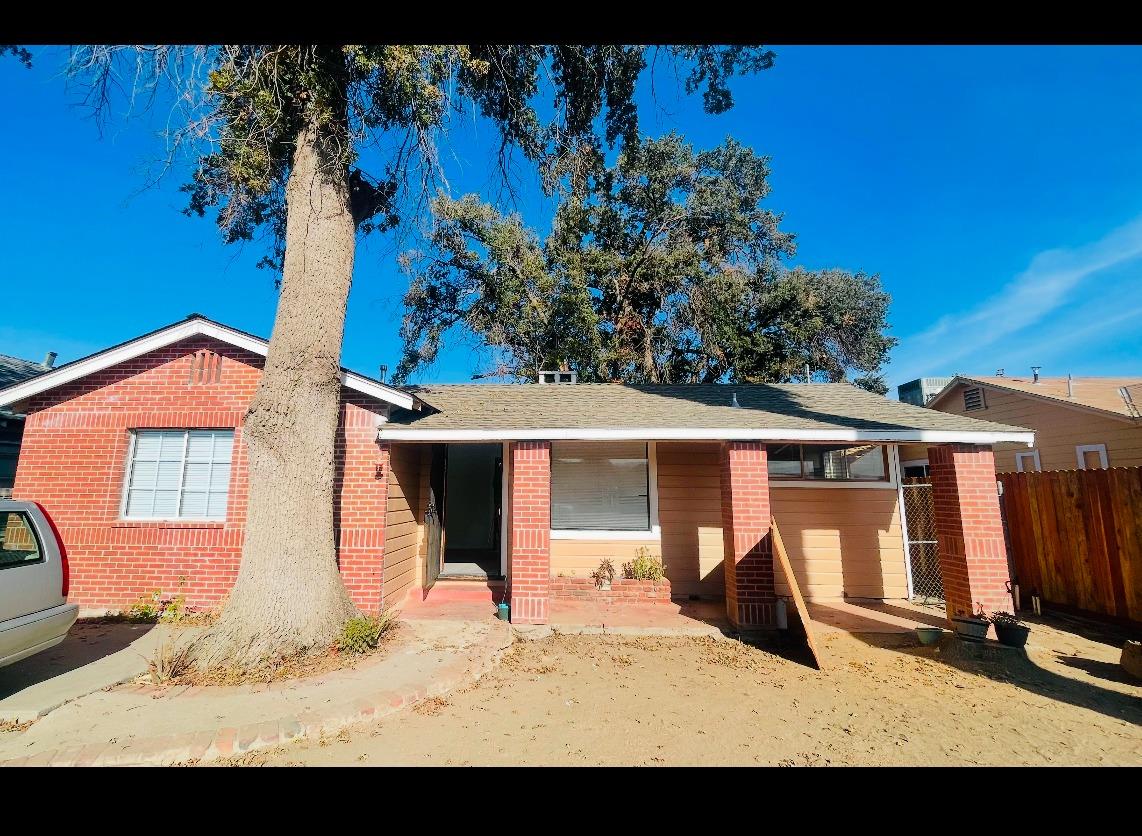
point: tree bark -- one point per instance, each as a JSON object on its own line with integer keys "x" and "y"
{"x": 289, "y": 597}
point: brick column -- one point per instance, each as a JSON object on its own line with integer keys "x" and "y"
{"x": 746, "y": 516}
{"x": 529, "y": 546}
{"x": 360, "y": 502}
{"x": 973, "y": 557}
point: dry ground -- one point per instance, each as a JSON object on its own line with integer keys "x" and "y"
{"x": 610, "y": 700}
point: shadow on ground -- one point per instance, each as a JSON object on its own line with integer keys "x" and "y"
{"x": 86, "y": 643}
{"x": 1016, "y": 667}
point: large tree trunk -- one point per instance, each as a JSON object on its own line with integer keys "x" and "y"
{"x": 289, "y": 596}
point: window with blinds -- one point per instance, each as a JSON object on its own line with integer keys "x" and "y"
{"x": 828, "y": 462}
{"x": 600, "y": 486}
{"x": 178, "y": 474}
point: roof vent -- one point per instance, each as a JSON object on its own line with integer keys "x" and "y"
{"x": 49, "y": 360}
{"x": 1035, "y": 373}
{"x": 1070, "y": 386}
{"x": 734, "y": 402}
{"x": 999, "y": 372}
{"x": 557, "y": 377}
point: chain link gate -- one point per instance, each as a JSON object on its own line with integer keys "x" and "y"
{"x": 923, "y": 553}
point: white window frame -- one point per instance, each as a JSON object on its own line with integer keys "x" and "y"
{"x": 892, "y": 468}
{"x": 1034, "y": 456}
{"x": 134, "y": 433}
{"x": 1082, "y": 449}
{"x": 652, "y": 533}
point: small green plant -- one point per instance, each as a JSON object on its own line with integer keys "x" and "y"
{"x": 362, "y": 633}
{"x": 169, "y": 662}
{"x": 1006, "y": 619}
{"x": 157, "y": 608}
{"x": 644, "y": 567}
{"x": 605, "y": 573}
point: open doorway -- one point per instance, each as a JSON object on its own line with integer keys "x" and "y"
{"x": 472, "y": 511}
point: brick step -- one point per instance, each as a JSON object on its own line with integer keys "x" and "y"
{"x": 451, "y": 589}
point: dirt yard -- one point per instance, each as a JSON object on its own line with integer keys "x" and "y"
{"x": 611, "y": 700}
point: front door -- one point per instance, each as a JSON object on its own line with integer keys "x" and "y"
{"x": 434, "y": 514}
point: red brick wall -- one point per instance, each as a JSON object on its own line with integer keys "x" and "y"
{"x": 622, "y": 591}
{"x": 73, "y": 461}
{"x": 529, "y": 549}
{"x": 973, "y": 556}
{"x": 746, "y": 516}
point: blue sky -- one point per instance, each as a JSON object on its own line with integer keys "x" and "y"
{"x": 996, "y": 190}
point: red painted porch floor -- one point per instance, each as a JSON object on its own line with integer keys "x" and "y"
{"x": 474, "y": 600}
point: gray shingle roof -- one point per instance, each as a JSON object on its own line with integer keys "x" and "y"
{"x": 612, "y": 406}
{"x": 14, "y": 370}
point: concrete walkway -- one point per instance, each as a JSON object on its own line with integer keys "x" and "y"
{"x": 145, "y": 724}
{"x": 94, "y": 656}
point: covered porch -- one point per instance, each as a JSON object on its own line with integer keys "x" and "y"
{"x": 708, "y": 509}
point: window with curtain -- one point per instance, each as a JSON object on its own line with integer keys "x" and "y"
{"x": 600, "y": 486}
{"x": 179, "y": 474}
{"x": 829, "y": 462}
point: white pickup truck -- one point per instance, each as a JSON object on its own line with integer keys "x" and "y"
{"x": 34, "y": 612}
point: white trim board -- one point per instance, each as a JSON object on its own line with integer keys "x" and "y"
{"x": 391, "y": 432}
{"x": 1019, "y": 459}
{"x": 192, "y": 327}
{"x": 1082, "y": 449}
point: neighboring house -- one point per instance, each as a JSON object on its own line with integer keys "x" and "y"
{"x": 1079, "y": 422}
{"x": 136, "y": 452}
{"x": 13, "y": 370}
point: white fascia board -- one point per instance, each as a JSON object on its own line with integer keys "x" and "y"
{"x": 167, "y": 336}
{"x": 396, "y": 433}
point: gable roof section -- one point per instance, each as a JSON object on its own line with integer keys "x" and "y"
{"x": 1098, "y": 394}
{"x": 785, "y": 412}
{"x": 194, "y": 325}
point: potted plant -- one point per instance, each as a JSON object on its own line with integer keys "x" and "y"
{"x": 604, "y": 574}
{"x": 1009, "y": 629}
{"x": 972, "y": 627}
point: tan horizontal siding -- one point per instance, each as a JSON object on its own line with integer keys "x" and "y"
{"x": 842, "y": 541}
{"x": 1059, "y": 428}
{"x": 402, "y": 521}
{"x": 690, "y": 515}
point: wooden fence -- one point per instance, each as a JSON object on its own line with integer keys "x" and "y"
{"x": 1076, "y": 538}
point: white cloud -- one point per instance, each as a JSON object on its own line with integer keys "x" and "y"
{"x": 1052, "y": 281}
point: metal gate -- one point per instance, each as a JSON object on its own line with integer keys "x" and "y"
{"x": 923, "y": 554}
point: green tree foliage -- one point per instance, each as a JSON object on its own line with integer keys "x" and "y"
{"x": 242, "y": 108}
{"x": 665, "y": 268}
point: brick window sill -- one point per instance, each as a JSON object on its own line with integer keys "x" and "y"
{"x": 167, "y": 524}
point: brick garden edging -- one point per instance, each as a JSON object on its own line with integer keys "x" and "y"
{"x": 622, "y": 591}
{"x": 223, "y": 742}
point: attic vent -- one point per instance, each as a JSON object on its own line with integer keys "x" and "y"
{"x": 558, "y": 377}
{"x": 205, "y": 367}
{"x": 973, "y": 399}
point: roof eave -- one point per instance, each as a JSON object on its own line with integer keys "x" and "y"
{"x": 192, "y": 327}
{"x": 390, "y": 432}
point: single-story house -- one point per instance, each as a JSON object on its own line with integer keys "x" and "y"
{"x": 136, "y": 452}
{"x": 1080, "y": 423}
